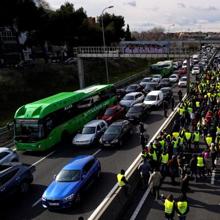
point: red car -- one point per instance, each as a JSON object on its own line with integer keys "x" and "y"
{"x": 182, "y": 71}
{"x": 113, "y": 113}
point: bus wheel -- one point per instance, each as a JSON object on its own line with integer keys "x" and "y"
{"x": 65, "y": 136}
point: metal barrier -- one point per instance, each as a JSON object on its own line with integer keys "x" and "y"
{"x": 7, "y": 135}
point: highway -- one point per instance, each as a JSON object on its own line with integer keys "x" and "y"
{"x": 50, "y": 163}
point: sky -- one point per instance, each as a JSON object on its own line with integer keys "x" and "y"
{"x": 142, "y": 15}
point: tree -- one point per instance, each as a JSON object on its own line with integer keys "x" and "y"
{"x": 128, "y": 33}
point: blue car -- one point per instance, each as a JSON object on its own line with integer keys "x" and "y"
{"x": 71, "y": 182}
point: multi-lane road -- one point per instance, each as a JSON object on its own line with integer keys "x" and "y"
{"x": 48, "y": 164}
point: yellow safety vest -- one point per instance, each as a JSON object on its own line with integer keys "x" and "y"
{"x": 175, "y": 144}
{"x": 208, "y": 140}
{"x": 190, "y": 110}
{"x": 181, "y": 111}
{"x": 165, "y": 158}
{"x": 200, "y": 162}
{"x": 197, "y": 104}
{"x": 182, "y": 207}
{"x": 154, "y": 156}
{"x": 176, "y": 134}
{"x": 120, "y": 182}
{"x": 144, "y": 154}
{"x": 218, "y": 129}
{"x": 162, "y": 142}
{"x": 196, "y": 136}
{"x": 168, "y": 206}
{"x": 187, "y": 135}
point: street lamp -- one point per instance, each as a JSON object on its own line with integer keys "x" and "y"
{"x": 103, "y": 36}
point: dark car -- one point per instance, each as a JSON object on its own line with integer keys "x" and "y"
{"x": 113, "y": 113}
{"x": 165, "y": 82}
{"x": 167, "y": 93}
{"x": 14, "y": 177}
{"x": 150, "y": 86}
{"x": 117, "y": 133}
{"x": 134, "y": 88}
{"x": 137, "y": 112}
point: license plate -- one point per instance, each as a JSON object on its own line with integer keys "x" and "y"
{"x": 53, "y": 204}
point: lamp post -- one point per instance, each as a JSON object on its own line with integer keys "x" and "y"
{"x": 103, "y": 36}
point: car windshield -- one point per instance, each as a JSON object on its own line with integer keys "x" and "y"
{"x": 88, "y": 130}
{"x": 146, "y": 80}
{"x": 165, "y": 90}
{"x": 109, "y": 111}
{"x": 131, "y": 87}
{"x": 68, "y": 176}
{"x": 183, "y": 79}
{"x": 149, "y": 86}
{"x": 196, "y": 68}
{"x": 136, "y": 109}
{"x": 173, "y": 76}
{"x": 151, "y": 98}
{"x": 113, "y": 129}
{"x": 129, "y": 97}
{"x": 28, "y": 130}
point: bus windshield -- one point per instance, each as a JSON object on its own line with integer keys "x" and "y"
{"x": 28, "y": 130}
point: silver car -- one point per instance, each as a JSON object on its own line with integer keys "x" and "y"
{"x": 131, "y": 99}
{"x": 7, "y": 155}
{"x": 91, "y": 133}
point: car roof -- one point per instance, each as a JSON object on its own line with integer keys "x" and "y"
{"x": 155, "y": 92}
{"x": 119, "y": 122}
{"x": 183, "y": 77}
{"x": 94, "y": 123}
{"x": 133, "y": 93}
{"x": 78, "y": 162}
{"x": 3, "y": 149}
{"x": 174, "y": 74}
{"x": 149, "y": 77}
{"x": 167, "y": 87}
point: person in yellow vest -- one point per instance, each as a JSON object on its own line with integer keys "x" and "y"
{"x": 122, "y": 182}
{"x": 208, "y": 140}
{"x": 196, "y": 139}
{"x": 187, "y": 138}
{"x": 201, "y": 165}
{"x": 164, "y": 161}
{"x": 169, "y": 207}
{"x": 182, "y": 207}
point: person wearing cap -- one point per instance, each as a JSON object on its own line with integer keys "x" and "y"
{"x": 182, "y": 207}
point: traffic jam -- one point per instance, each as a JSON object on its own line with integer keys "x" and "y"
{"x": 110, "y": 129}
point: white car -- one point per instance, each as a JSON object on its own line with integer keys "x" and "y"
{"x": 91, "y": 133}
{"x": 7, "y": 155}
{"x": 145, "y": 80}
{"x": 174, "y": 78}
{"x": 156, "y": 78}
{"x": 183, "y": 81}
{"x": 131, "y": 99}
{"x": 154, "y": 99}
{"x": 195, "y": 70}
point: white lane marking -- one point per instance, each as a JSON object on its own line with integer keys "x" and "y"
{"x": 43, "y": 158}
{"x": 36, "y": 203}
{"x": 97, "y": 152}
{"x": 140, "y": 204}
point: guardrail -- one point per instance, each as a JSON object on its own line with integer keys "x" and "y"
{"x": 7, "y": 135}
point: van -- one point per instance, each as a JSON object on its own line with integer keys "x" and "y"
{"x": 154, "y": 98}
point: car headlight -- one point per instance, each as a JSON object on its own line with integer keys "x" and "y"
{"x": 115, "y": 141}
{"x": 69, "y": 198}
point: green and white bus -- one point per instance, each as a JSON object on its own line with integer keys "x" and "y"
{"x": 164, "y": 68}
{"x": 44, "y": 123}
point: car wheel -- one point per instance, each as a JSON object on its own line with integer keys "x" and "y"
{"x": 24, "y": 188}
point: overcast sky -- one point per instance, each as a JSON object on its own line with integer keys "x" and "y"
{"x": 141, "y": 15}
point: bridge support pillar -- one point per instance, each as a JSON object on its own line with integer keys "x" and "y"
{"x": 81, "y": 73}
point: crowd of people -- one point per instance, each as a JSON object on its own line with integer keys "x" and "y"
{"x": 189, "y": 149}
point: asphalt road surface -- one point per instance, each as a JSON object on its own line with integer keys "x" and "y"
{"x": 48, "y": 164}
